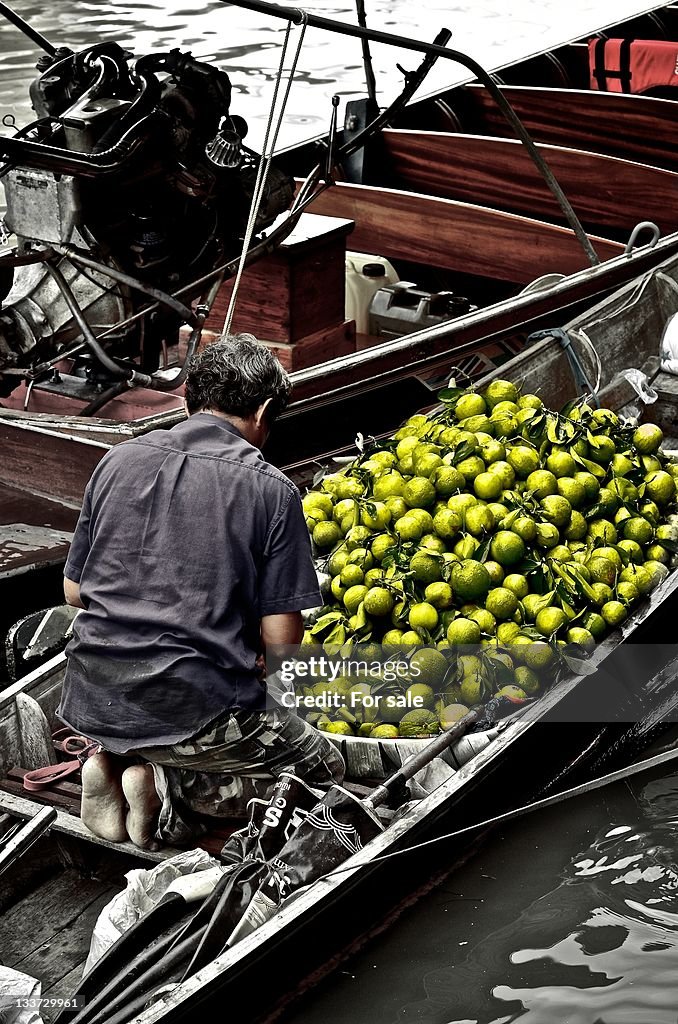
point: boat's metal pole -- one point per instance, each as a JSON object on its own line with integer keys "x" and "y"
{"x": 419, "y": 760}
{"x": 370, "y": 80}
{"x": 299, "y": 17}
{"x": 23, "y": 838}
{"x": 27, "y": 29}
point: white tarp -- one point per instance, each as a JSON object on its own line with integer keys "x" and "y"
{"x": 145, "y": 887}
{"x": 19, "y": 998}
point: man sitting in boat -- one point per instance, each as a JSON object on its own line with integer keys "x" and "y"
{"x": 191, "y": 557}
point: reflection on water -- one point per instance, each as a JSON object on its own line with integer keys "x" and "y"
{"x": 557, "y": 921}
{"x": 248, "y": 45}
{"x": 601, "y": 946}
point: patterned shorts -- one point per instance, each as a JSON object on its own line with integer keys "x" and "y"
{"x": 237, "y": 757}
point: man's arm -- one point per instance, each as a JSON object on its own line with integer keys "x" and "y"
{"x": 286, "y": 628}
{"x": 72, "y": 593}
{"x": 78, "y": 552}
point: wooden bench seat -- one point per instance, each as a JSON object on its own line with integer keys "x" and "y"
{"x": 66, "y": 797}
{"x": 635, "y": 127}
{"x": 605, "y": 192}
{"x": 458, "y": 236}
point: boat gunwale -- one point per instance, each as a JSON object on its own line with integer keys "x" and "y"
{"x": 373, "y": 357}
{"x": 600, "y": 95}
{"x": 313, "y": 899}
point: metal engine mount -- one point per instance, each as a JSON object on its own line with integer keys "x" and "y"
{"x": 132, "y": 185}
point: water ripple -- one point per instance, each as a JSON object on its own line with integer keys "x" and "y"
{"x": 601, "y": 946}
{"x": 225, "y": 34}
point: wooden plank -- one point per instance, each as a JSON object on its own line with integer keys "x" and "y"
{"x": 67, "y": 946}
{"x": 15, "y": 801}
{"x": 316, "y": 348}
{"x": 66, "y": 787}
{"x": 66, "y": 463}
{"x": 23, "y": 807}
{"x": 36, "y": 735}
{"x": 634, "y": 127}
{"x": 496, "y": 172}
{"x": 42, "y": 798}
{"x": 62, "y": 989}
{"x": 57, "y": 905}
{"x": 458, "y": 236}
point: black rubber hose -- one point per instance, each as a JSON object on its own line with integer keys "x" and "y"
{"x": 115, "y": 1007}
{"x": 40, "y": 156}
{"x": 104, "y": 398}
{"x": 141, "y": 104}
{"x": 162, "y": 383}
{"x": 88, "y": 336}
{"x": 203, "y": 311}
{"x": 162, "y": 923}
{"x": 178, "y": 307}
{"x": 16, "y": 259}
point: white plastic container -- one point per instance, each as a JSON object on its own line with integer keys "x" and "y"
{"x": 365, "y": 275}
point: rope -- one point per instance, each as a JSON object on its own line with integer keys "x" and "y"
{"x": 582, "y": 336}
{"x": 586, "y": 787}
{"x": 265, "y": 158}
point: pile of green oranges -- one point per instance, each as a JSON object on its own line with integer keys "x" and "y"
{"x": 490, "y": 532}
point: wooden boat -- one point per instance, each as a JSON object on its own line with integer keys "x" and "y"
{"x": 456, "y": 240}
{"x": 609, "y": 194}
{"x": 565, "y": 738}
{"x": 612, "y": 153}
{"x": 551, "y": 94}
{"x": 49, "y": 451}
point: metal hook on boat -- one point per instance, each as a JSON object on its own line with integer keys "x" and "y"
{"x": 29, "y": 390}
{"x": 643, "y": 225}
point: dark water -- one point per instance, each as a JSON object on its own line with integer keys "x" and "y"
{"x": 567, "y": 917}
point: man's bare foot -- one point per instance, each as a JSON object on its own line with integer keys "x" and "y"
{"x": 138, "y": 785}
{"x": 103, "y": 804}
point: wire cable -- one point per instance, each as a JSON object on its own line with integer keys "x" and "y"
{"x": 265, "y": 161}
{"x": 517, "y": 812}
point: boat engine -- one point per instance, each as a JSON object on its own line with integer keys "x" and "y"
{"x": 125, "y": 194}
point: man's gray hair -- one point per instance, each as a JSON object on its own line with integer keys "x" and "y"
{"x": 235, "y": 376}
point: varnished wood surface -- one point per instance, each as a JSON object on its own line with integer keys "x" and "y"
{"x": 296, "y": 291}
{"x": 43, "y": 462}
{"x": 497, "y": 172}
{"x": 457, "y": 236}
{"x": 634, "y": 127}
{"x": 33, "y": 530}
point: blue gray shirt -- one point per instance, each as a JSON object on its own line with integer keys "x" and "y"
{"x": 186, "y": 538}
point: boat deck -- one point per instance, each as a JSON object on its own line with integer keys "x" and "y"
{"x": 34, "y": 530}
{"x": 51, "y": 898}
{"x": 49, "y": 910}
